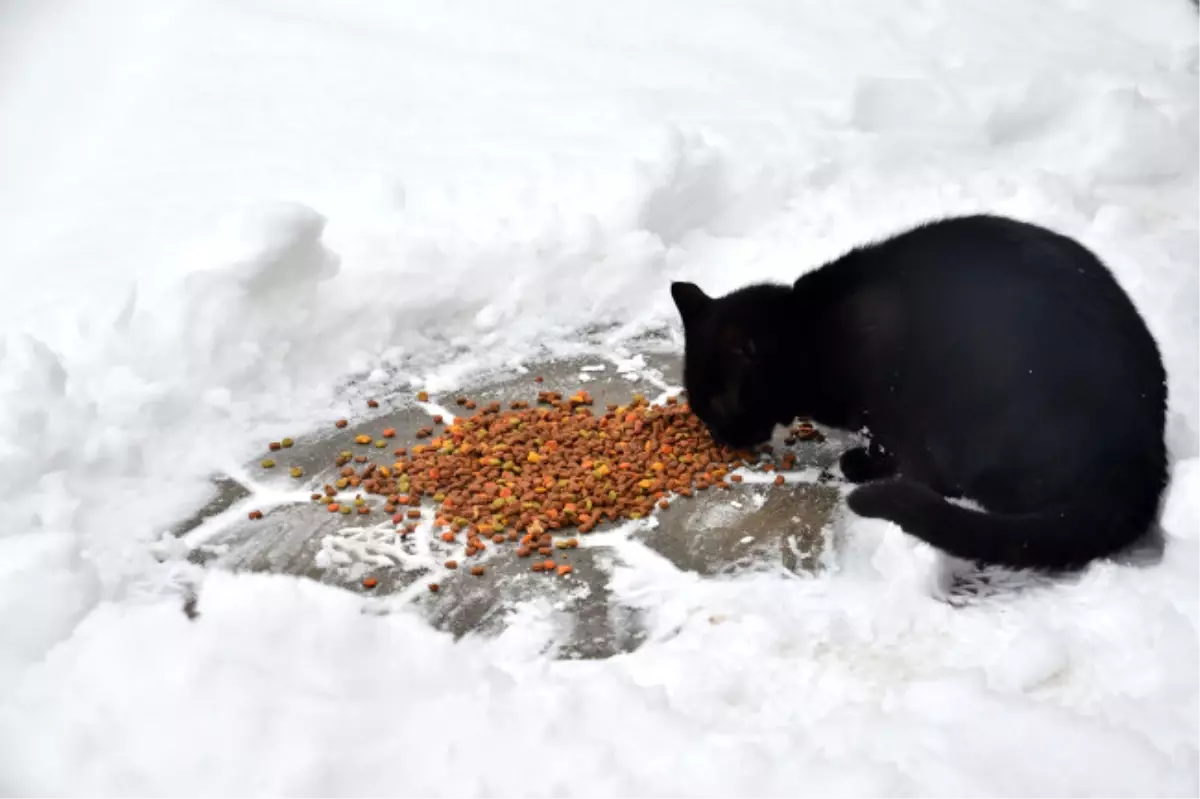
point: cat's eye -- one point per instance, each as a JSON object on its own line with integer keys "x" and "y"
{"x": 745, "y": 349}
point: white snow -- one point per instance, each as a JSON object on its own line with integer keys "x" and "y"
{"x": 216, "y": 213}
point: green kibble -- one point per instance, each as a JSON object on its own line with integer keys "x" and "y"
{"x": 359, "y": 501}
{"x": 287, "y": 442}
{"x": 268, "y": 463}
{"x": 346, "y": 453}
{"x": 296, "y": 472}
{"x": 344, "y": 510}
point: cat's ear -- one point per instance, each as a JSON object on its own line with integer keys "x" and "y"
{"x": 691, "y": 301}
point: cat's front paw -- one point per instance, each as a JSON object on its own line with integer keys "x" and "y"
{"x": 862, "y": 465}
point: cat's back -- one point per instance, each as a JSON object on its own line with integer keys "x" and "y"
{"x": 974, "y": 321}
{"x": 999, "y": 283}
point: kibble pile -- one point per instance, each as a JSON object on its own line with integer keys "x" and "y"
{"x": 514, "y": 476}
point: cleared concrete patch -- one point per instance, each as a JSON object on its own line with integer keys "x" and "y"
{"x": 754, "y": 525}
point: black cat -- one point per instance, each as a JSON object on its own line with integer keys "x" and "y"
{"x": 985, "y": 358}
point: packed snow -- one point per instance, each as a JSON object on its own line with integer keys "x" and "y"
{"x": 225, "y": 221}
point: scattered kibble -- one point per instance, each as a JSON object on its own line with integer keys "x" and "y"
{"x": 370, "y": 582}
{"x": 433, "y": 588}
{"x": 372, "y": 403}
{"x": 422, "y": 396}
{"x": 296, "y": 472}
{"x": 340, "y": 423}
{"x": 524, "y": 474}
{"x": 779, "y": 480}
{"x": 274, "y": 446}
{"x": 255, "y": 515}
{"x": 287, "y": 443}
{"x": 268, "y": 463}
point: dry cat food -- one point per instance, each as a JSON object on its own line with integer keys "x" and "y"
{"x": 517, "y": 476}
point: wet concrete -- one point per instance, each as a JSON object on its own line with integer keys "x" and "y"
{"x": 754, "y": 525}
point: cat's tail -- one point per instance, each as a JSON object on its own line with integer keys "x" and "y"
{"x": 1061, "y": 539}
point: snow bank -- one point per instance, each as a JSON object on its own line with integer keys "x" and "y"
{"x": 227, "y": 222}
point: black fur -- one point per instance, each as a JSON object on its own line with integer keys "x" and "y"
{"x": 986, "y": 358}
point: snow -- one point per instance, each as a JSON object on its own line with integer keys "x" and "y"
{"x": 218, "y": 214}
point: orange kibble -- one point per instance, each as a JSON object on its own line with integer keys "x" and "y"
{"x": 448, "y": 537}
{"x": 779, "y": 480}
{"x": 422, "y": 396}
{"x": 451, "y": 564}
{"x": 433, "y": 588}
{"x": 333, "y": 507}
{"x": 565, "y": 569}
{"x": 498, "y": 538}
{"x": 437, "y": 419}
{"x": 414, "y": 514}
{"x": 477, "y": 571}
{"x": 537, "y": 566}
{"x": 389, "y": 432}
{"x": 340, "y": 423}
{"x": 369, "y": 582}
{"x": 737, "y": 478}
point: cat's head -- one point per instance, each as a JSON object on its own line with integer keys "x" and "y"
{"x": 732, "y": 359}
